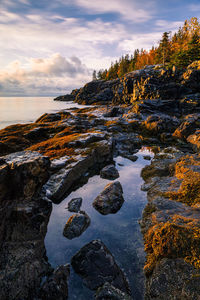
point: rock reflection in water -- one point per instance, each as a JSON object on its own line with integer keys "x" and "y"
{"x": 120, "y": 232}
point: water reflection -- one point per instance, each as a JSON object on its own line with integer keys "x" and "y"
{"x": 119, "y": 232}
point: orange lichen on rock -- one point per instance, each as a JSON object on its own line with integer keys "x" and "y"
{"x": 56, "y": 147}
{"x": 188, "y": 171}
{"x": 173, "y": 239}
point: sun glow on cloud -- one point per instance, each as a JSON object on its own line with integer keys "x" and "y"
{"x": 50, "y": 73}
{"x": 52, "y": 47}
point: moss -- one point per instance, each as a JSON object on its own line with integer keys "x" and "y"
{"x": 189, "y": 191}
{"x": 172, "y": 240}
{"x": 55, "y": 147}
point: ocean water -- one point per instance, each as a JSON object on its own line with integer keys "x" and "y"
{"x": 19, "y": 110}
{"x": 120, "y": 232}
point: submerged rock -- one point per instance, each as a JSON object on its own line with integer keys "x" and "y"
{"x": 109, "y": 172}
{"x": 74, "y": 204}
{"x": 55, "y": 286}
{"x": 76, "y": 225}
{"x": 110, "y": 199}
{"x": 109, "y": 292}
{"x": 96, "y": 265}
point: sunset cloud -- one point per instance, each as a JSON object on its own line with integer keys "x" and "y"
{"x": 64, "y": 41}
{"x": 52, "y": 74}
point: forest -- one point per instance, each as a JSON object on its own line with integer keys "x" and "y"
{"x": 179, "y": 49}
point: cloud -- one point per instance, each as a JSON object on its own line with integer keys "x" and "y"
{"x": 138, "y": 41}
{"x": 194, "y": 7}
{"x": 128, "y": 9}
{"x": 166, "y": 25}
{"x": 52, "y": 75}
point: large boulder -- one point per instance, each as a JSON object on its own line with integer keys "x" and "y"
{"x": 110, "y": 199}
{"x": 96, "y": 265}
{"x": 66, "y": 179}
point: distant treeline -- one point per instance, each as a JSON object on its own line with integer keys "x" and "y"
{"x": 179, "y": 49}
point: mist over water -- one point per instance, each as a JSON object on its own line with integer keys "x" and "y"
{"x": 18, "y": 110}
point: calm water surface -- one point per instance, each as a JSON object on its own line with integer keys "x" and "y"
{"x": 15, "y": 110}
{"x": 120, "y": 232}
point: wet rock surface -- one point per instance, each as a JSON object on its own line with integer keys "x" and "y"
{"x": 108, "y": 292}
{"x": 76, "y": 225}
{"x": 74, "y": 204}
{"x": 110, "y": 200}
{"x": 55, "y": 286}
{"x": 109, "y": 172}
{"x": 96, "y": 265}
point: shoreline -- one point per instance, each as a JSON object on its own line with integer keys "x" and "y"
{"x": 79, "y": 143}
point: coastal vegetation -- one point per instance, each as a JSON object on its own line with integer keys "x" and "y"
{"x": 178, "y": 49}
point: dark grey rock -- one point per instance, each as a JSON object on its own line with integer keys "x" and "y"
{"x": 96, "y": 265}
{"x": 24, "y": 215}
{"x": 147, "y": 157}
{"x": 110, "y": 199}
{"x": 109, "y": 172}
{"x": 74, "y": 204}
{"x": 109, "y": 292}
{"x": 130, "y": 157}
{"x": 76, "y": 225}
{"x": 55, "y": 286}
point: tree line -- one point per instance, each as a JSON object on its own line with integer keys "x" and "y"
{"x": 179, "y": 49}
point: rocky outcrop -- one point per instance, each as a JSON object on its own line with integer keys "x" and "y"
{"x": 170, "y": 227}
{"x": 24, "y": 214}
{"x": 96, "y": 265}
{"x": 76, "y": 225}
{"x": 110, "y": 200}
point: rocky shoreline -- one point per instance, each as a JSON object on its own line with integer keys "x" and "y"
{"x": 42, "y": 162}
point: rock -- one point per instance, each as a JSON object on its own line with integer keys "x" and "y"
{"x": 159, "y": 123}
{"x": 76, "y": 225}
{"x": 110, "y": 199}
{"x": 74, "y": 204}
{"x": 24, "y": 214}
{"x": 173, "y": 279}
{"x": 63, "y": 181}
{"x": 109, "y": 172}
{"x": 96, "y": 91}
{"x": 96, "y": 265}
{"x": 109, "y": 292}
{"x": 147, "y": 157}
{"x": 55, "y": 286}
{"x": 194, "y": 140}
{"x": 188, "y": 126}
{"x": 67, "y": 98}
{"x": 113, "y": 112}
{"x": 130, "y": 157}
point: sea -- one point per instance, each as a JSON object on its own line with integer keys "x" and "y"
{"x": 20, "y": 110}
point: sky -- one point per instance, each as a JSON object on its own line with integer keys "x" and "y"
{"x": 49, "y": 47}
